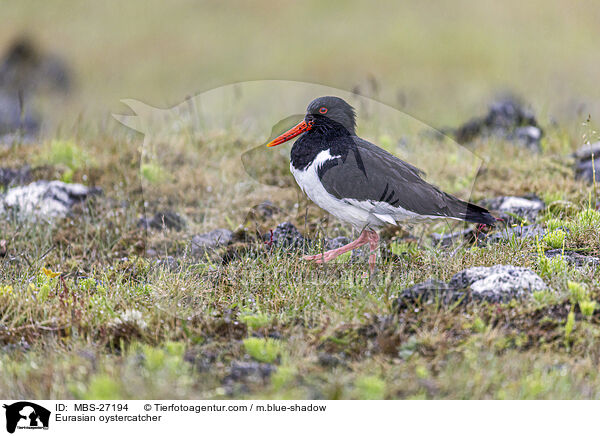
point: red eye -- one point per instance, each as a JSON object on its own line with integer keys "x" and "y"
{"x": 323, "y": 110}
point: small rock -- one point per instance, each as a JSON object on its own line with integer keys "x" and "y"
{"x": 587, "y": 166}
{"x": 574, "y": 258}
{"x": 25, "y": 67}
{"x": 330, "y": 360}
{"x": 10, "y": 177}
{"x": 211, "y": 240}
{"x": 516, "y": 232}
{"x": 524, "y": 207}
{"x": 498, "y": 283}
{"x": 285, "y": 235}
{"x": 586, "y": 152}
{"x": 249, "y": 371}
{"x": 202, "y": 361}
{"x": 428, "y": 292}
{"x": 265, "y": 210}
{"x": 16, "y": 122}
{"x": 43, "y": 199}
{"x": 587, "y": 170}
{"x": 340, "y": 241}
{"x": 507, "y": 118}
{"x": 164, "y": 220}
{"x": 529, "y": 136}
{"x": 26, "y": 72}
{"x": 448, "y": 239}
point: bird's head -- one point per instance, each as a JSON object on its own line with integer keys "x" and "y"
{"x": 323, "y": 113}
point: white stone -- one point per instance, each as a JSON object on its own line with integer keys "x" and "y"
{"x": 43, "y": 199}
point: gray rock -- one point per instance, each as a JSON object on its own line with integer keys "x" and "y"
{"x": 529, "y": 136}
{"x": 430, "y": 291}
{"x": 586, "y": 152}
{"x": 26, "y": 72}
{"x": 498, "y": 282}
{"x": 448, "y": 239}
{"x": 524, "y": 207}
{"x": 330, "y": 360}
{"x": 266, "y": 209}
{"x": 10, "y": 177}
{"x": 164, "y": 220}
{"x": 285, "y": 235}
{"x": 15, "y": 121}
{"x": 211, "y": 240}
{"x": 249, "y": 371}
{"x": 516, "y": 232}
{"x": 27, "y": 68}
{"x": 574, "y": 258}
{"x": 334, "y": 243}
{"x": 587, "y": 166}
{"x": 44, "y": 199}
{"x": 507, "y": 118}
{"x": 588, "y": 169}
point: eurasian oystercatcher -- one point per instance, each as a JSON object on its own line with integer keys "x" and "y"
{"x": 360, "y": 183}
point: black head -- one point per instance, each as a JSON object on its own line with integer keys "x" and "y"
{"x": 326, "y": 109}
{"x": 324, "y": 115}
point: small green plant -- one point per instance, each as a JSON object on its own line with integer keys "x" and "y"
{"x": 549, "y": 266}
{"x": 153, "y": 173}
{"x": 370, "y": 388}
{"x": 555, "y": 238}
{"x": 545, "y": 297}
{"x": 403, "y": 248}
{"x": 102, "y": 387}
{"x": 587, "y": 308}
{"x": 569, "y": 326}
{"x": 255, "y": 321}
{"x": 552, "y": 196}
{"x": 478, "y": 325}
{"x": 67, "y": 153}
{"x": 87, "y": 284}
{"x": 577, "y": 292}
{"x": 283, "y": 376}
{"x": 263, "y": 349}
{"x": 344, "y": 257}
{"x": 557, "y": 224}
{"x": 588, "y": 218}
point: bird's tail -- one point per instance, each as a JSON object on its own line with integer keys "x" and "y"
{"x": 472, "y": 213}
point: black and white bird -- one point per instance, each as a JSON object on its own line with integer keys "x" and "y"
{"x": 360, "y": 183}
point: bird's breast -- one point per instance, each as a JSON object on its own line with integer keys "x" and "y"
{"x": 309, "y": 181}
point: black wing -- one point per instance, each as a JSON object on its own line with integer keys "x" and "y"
{"x": 365, "y": 172}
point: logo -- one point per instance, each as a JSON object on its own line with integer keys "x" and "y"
{"x": 26, "y": 415}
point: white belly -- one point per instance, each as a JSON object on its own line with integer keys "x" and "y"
{"x": 358, "y": 215}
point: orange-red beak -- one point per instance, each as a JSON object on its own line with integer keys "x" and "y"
{"x": 292, "y": 133}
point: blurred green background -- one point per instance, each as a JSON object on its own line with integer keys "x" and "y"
{"x": 440, "y": 62}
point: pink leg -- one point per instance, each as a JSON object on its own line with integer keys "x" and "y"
{"x": 373, "y": 244}
{"x": 332, "y": 254}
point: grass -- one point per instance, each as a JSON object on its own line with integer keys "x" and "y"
{"x": 85, "y": 314}
{"x": 91, "y": 306}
